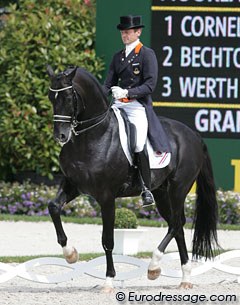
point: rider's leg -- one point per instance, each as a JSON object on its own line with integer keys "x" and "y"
{"x": 145, "y": 176}
{"x": 137, "y": 115}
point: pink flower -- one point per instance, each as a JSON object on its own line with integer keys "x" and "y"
{"x": 88, "y": 2}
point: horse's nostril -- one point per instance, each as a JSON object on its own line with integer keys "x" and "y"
{"x": 62, "y": 137}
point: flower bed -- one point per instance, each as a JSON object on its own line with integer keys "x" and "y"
{"x": 30, "y": 199}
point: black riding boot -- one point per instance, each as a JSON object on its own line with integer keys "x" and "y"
{"x": 145, "y": 177}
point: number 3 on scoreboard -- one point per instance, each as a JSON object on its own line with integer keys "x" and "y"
{"x": 167, "y": 86}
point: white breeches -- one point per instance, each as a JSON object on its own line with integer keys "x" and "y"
{"x": 137, "y": 115}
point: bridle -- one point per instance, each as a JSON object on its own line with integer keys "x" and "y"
{"x": 73, "y": 120}
{"x": 58, "y": 117}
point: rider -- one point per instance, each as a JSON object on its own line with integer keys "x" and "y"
{"x": 131, "y": 79}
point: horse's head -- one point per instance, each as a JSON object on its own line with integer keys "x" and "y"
{"x": 79, "y": 103}
{"x": 64, "y": 100}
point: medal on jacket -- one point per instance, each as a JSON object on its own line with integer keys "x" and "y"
{"x": 136, "y": 71}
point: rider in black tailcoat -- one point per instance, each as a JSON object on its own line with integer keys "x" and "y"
{"x": 133, "y": 78}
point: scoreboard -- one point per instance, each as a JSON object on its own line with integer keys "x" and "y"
{"x": 198, "y": 51}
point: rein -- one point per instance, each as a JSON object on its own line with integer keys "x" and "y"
{"x": 76, "y": 123}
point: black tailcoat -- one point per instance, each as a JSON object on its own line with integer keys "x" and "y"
{"x": 138, "y": 74}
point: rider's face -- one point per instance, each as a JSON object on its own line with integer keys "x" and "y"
{"x": 129, "y": 36}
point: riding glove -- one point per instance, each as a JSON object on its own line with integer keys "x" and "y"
{"x": 118, "y": 92}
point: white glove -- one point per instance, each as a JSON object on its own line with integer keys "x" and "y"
{"x": 118, "y": 92}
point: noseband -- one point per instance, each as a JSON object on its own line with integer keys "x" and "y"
{"x": 74, "y": 122}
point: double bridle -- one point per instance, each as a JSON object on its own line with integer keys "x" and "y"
{"x": 57, "y": 117}
{"x": 74, "y": 122}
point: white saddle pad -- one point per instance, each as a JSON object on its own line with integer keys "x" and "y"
{"x": 155, "y": 161}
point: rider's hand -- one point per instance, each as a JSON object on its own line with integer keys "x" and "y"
{"x": 118, "y": 92}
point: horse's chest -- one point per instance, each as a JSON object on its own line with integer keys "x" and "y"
{"x": 75, "y": 169}
{"x": 81, "y": 173}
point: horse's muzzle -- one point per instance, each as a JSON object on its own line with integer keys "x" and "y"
{"x": 62, "y": 136}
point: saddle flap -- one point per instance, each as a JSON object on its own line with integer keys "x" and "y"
{"x": 130, "y": 131}
{"x": 156, "y": 161}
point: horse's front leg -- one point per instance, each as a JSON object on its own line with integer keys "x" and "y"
{"x": 108, "y": 217}
{"x": 65, "y": 194}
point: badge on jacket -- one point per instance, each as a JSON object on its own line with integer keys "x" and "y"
{"x": 136, "y": 69}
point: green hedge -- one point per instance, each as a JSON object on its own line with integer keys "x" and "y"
{"x": 56, "y": 32}
{"x": 4, "y": 3}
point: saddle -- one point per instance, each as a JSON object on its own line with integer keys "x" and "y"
{"x": 131, "y": 132}
{"x": 128, "y": 137}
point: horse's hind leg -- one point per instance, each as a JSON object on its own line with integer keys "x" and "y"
{"x": 164, "y": 206}
{"x": 171, "y": 206}
{"x": 65, "y": 194}
{"x": 185, "y": 263}
{"x": 154, "y": 269}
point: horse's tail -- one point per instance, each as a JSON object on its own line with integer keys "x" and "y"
{"x": 206, "y": 215}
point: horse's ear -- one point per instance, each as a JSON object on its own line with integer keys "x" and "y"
{"x": 70, "y": 73}
{"x": 50, "y": 71}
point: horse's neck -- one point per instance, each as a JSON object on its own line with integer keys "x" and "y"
{"x": 94, "y": 99}
{"x": 99, "y": 140}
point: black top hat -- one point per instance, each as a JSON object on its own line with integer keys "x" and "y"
{"x": 130, "y": 22}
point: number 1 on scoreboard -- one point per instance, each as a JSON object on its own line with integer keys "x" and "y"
{"x": 169, "y": 21}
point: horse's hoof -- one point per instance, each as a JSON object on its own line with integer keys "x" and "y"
{"x": 107, "y": 289}
{"x": 186, "y": 285}
{"x": 154, "y": 274}
{"x": 73, "y": 257}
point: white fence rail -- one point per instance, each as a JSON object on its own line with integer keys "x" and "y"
{"x": 95, "y": 268}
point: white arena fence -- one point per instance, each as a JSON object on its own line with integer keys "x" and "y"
{"x": 96, "y": 268}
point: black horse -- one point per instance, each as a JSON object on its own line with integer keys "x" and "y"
{"x": 93, "y": 163}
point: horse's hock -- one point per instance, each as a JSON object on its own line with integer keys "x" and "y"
{"x": 33, "y": 270}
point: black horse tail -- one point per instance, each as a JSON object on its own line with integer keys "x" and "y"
{"x": 205, "y": 242}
